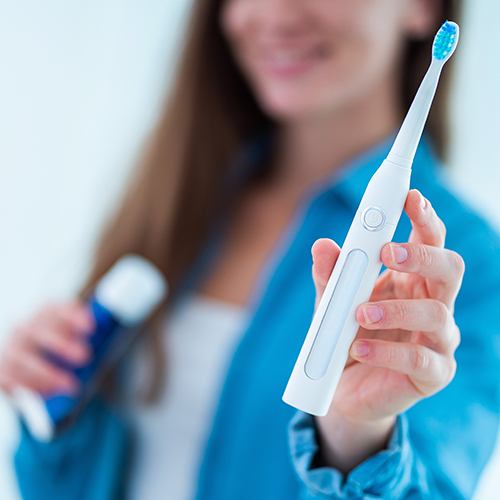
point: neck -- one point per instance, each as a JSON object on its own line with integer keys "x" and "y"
{"x": 311, "y": 148}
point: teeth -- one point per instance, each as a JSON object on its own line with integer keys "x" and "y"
{"x": 285, "y": 58}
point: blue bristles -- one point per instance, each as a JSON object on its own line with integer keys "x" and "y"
{"x": 445, "y": 40}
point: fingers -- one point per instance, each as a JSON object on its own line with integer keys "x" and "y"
{"x": 423, "y": 315}
{"x": 324, "y": 255}
{"x": 28, "y": 369}
{"x": 74, "y": 315}
{"x": 442, "y": 266}
{"x": 428, "y": 369}
{"x": 59, "y": 332}
{"x": 61, "y": 342}
{"x": 427, "y": 227}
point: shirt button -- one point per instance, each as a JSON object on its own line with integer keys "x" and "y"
{"x": 353, "y": 490}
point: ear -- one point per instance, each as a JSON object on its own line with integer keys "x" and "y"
{"x": 421, "y": 17}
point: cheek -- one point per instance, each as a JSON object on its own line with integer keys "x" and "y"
{"x": 365, "y": 50}
{"x": 234, "y": 20}
{"x": 379, "y": 45}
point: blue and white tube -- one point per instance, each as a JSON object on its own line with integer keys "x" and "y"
{"x": 124, "y": 298}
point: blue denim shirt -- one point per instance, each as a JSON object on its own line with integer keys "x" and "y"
{"x": 260, "y": 448}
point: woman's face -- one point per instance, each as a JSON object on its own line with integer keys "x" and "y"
{"x": 304, "y": 57}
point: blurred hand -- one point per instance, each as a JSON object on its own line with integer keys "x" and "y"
{"x": 58, "y": 330}
{"x": 404, "y": 349}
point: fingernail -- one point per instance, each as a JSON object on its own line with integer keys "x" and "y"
{"x": 399, "y": 253}
{"x": 423, "y": 202}
{"x": 68, "y": 386}
{"x": 372, "y": 313}
{"x": 82, "y": 354}
{"x": 360, "y": 349}
{"x": 89, "y": 329}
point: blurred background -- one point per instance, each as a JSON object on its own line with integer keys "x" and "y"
{"x": 80, "y": 90}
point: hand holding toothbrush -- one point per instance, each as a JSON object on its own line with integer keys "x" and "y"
{"x": 404, "y": 348}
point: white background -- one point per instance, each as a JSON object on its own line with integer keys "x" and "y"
{"x": 80, "y": 87}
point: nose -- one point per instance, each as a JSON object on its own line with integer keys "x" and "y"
{"x": 283, "y": 17}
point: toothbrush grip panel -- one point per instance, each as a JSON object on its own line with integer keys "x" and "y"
{"x": 336, "y": 313}
{"x": 325, "y": 350}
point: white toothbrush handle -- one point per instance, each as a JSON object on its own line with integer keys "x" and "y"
{"x": 324, "y": 353}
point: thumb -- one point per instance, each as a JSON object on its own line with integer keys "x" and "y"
{"x": 324, "y": 255}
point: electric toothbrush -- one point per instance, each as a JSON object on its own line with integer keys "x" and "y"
{"x": 322, "y": 359}
{"x": 124, "y": 298}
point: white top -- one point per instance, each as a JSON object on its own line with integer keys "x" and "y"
{"x": 201, "y": 334}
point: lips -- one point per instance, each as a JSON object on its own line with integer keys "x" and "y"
{"x": 286, "y": 63}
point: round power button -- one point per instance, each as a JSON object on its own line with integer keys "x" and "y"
{"x": 373, "y": 218}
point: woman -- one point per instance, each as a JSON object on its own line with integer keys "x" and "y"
{"x": 281, "y": 112}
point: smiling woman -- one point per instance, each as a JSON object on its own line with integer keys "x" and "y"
{"x": 308, "y": 61}
{"x": 280, "y": 111}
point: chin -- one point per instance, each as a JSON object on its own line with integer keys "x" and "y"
{"x": 298, "y": 103}
{"x": 283, "y": 106}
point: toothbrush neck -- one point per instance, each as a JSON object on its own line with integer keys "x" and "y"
{"x": 405, "y": 145}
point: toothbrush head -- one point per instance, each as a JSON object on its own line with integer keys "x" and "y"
{"x": 445, "y": 41}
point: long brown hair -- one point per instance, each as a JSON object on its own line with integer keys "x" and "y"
{"x": 176, "y": 191}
